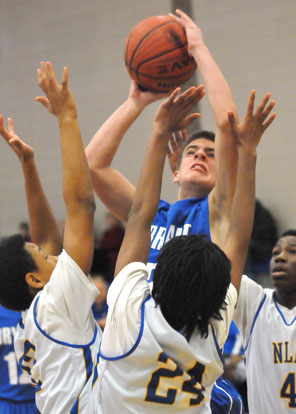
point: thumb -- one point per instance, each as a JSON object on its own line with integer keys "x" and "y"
{"x": 43, "y": 100}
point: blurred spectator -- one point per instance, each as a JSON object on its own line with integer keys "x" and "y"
{"x": 263, "y": 238}
{"x": 17, "y": 395}
{"x": 100, "y": 307}
{"x": 24, "y": 230}
{"x": 105, "y": 254}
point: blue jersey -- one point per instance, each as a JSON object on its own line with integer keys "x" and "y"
{"x": 190, "y": 216}
{"x": 15, "y": 386}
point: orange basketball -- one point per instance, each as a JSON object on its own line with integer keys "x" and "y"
{"x": 156, "y": 55}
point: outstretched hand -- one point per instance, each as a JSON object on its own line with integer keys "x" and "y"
{"x": 59, "y": 100}
{"x": 175, "y": 144}
{"x": 253, "y": 125}
{"x": 172, "y": 114}
{"x": 193, "y": 32}
{"x": 21, "y": 149}
{"x": 144, "y": 98}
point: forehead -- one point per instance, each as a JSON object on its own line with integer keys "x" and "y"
{"x": 286, "y": 241}
{"x": 203, "y": 143}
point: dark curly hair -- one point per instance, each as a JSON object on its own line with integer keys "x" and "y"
{"x": 15, "y": 263}
{"x": 196, "y": 135}
{"x": 190, "y": 283}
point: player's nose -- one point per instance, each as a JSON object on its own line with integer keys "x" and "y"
{"x": 200, "y": 154}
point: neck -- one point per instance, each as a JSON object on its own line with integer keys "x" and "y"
{"x": 287, "y": 299}
{"x": 193, "y": 192}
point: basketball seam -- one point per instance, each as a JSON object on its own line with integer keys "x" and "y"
{"x": 157, "y": 77}
{"x": 157, "y": 56}
{"x": 146, "y": 35}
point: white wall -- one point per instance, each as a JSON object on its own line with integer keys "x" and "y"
{"x": 253, "y": 42}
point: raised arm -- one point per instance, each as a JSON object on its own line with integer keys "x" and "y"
{"x": 221, "y": 102}
{"x": 113, "y": 189}
{"x": 43, "y": 227}
{"x": 171, "y": 116}
{"x": 77, "y": 187}
{"x": 248, "y": 135}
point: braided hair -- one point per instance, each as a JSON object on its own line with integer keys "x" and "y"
{"x": 190, "y": 283}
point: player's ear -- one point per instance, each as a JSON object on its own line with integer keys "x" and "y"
{"x": 34, "y": 281}
{"x": 176, "y": 177}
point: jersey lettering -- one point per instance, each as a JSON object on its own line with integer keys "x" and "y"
{"x": 159, "y": 235}
{"x": 166, "y": 380}
{"x": 282, "y": 353}
{"x": 7, "y": 335}
{"x": 288, "y": 389}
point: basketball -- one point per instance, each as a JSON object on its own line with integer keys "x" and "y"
{"x": 156, "y": 55}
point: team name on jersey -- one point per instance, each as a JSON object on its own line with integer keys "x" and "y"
{"x": 284, "y": 352}
{"x": 160, "y": 235}
{"x": 7, "y": 335}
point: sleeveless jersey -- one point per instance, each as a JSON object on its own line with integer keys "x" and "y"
{"x": 59, "y": 369}
{"x": 15, "y": 384}
{"x": 189, "y": 216}
{"x": 269, "y": 338}
{"x": 161, "y": 371}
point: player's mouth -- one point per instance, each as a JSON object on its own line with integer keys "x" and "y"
{"x": 278, "y": 272}
{"x": 198, "y": 167}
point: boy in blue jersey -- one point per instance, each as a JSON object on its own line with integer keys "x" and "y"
{"x": 17, "y": 395}
{"x": 57, "y": 340}
{"x": 206, "y": 176}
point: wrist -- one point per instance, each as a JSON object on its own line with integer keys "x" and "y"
{"x": 135, "y": 104}
{"x": 67, "y": 118}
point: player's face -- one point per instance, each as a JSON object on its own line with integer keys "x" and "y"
{"x": 44, "y": 262}
{"x": 197, "y": 167}
{"x": 283, "y": 264}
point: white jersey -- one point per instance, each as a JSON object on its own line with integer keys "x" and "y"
{"x": 269, "y": 339}
{"x": 58, "y": 340}
{"x": 145, "y": 365}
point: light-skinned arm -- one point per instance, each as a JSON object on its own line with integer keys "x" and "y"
{"x": 247, "y": 135}
{"x": 171, "y": 116}
{"x": 221, "y": 101}
{"x": 43, "y": 227}
{"x": 77, "y": 187}
{"x": 113, "y": 189}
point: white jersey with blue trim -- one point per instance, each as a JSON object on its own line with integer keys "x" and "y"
{"x": 269, "y": 339}
{"x": 57, "y": 341}
{"x": 146, "y": 366}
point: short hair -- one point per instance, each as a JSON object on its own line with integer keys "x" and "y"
{"x": 15, "y": 263}
{"x": 290, "y": 232}
{"x": 190, "y": 283}
{"x": 196, "y": 135}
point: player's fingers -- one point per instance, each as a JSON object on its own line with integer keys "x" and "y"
{"x": 250, "y": 106}
{"x": 262, "y": 104}
{"x": 172, "y": 96}
{"x": 190, "y": 118}
{"x": 42, "y": 77}
{"x": 179, "y": 138}
{"x": 65, "y": 78}
{"x": 269, "y": 121}
{"x": 50, "y": 74}
{"x": 43, "y": 100}
{"x": 268, "y": 110}
{"x": 10, "y": 125}
{"x": 232, "y": 122}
